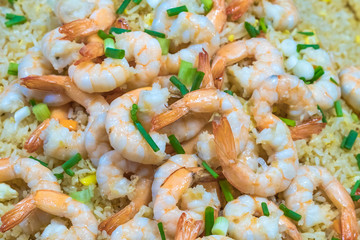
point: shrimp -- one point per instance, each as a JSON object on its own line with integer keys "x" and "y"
{"x": 37, "y": 177}
{"x": 101, "y": 18}
{"x": 58, "y": 204}
{"x": 217, "y": 15}
{"x": 175, "y": 186}
{"x": 246, "y": 220}
{"x": 268, "y": 62}
{"x": 113, "y": 184}
{"x": 282, "y": 13}
{"x": 187, "y": 228}
{"x": 298, "y": 198}
{"x": 269, "y": 180}
{"x": 215, "y": 237}
{"x": 350, "y": 85}
{"x": 68, "y": 11}
{"x": 11, "y": 98}
{"x": 237, "y": 8}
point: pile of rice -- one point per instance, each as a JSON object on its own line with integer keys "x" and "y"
{"x": 336, "y": 27}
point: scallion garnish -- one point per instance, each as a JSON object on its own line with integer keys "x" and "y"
{"x": 161, "y": 230}
{"x": 122, "y": 7}
{"x": 83, "y": 196}
{"x": 307, "y": 33}
{"x": 209, "y": 220}
{"x": 14, "y": 20}
{"x": 338, "y": 108}
{"x": 265, "y": 209}
{"x": 13, "y": 69}
{"x": 334, "y": 238}
{"x": 319, "y": 71}
{"x": 335, "y": 82}
{"x": 210, "y": 170}
{"x": 322, "y": 114}
{"x": 358, "y": 160}
{"x": 69, "y": 172}
{"x": 304, "y": 46}
{"x": 226, "y": 189}
{"x": 118, "y": 30}
{"x": 115, "y": 53}
{"x": 176, "y": 11}
{"x": 289, "y": 122}
{"x": 41, "y": 112}
{"x": 137, "y": 1}
{"x": 186, "y": 72}
{"x": 176, "y": 144}
{"x": 350, "y": 139}
{"x": 252, "y": 31}
{"x": 103, "y": 35}
{"x": 164, "y": 44}
{"x": 353, "y": 191}
{"x": 59, "y": 176}
{"x": 179, "y": 85}
{"x": 155, "y": 33}
{"x": 208, "y": 4}
{"x": 220, "y": 227}
{"x": 354, "y": 117}
{"x": 11, "y": 2}
{"x": 343, "y": 142}
{"x": 141, "y": 129}
{"x": 262, "y": 25}
{"x": 41, "y": 162}
{"x": 289, "y": 213}
{"x": 109, "y": 43}
{"x": 32, "y": 102}
{"x": 70, "y": 163}
{"x": 199, "y": 76}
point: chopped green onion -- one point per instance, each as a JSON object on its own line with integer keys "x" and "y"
{"x": 109, "y": 43}
{"x": 350, "y": 139}
{"x": 354, "y": 117}
{"x": 342, "y": 145}
{"x": 155, "y": 33}
{"x": 103, "y": 35}
{"x": 307, "y": 33}
{"x": 141, "y": 129}
{"x": 289, "y": 213}
{"x": 262, "y": 25}
{"x": 334, "y": 238}
{"x": 289, "y": 122}
{"x": 176, "y": 11}
{"x": 115, "y": 53}
{"x": 32, "y": 102}
{"x": 179, "y": 85}
{"x": 356, "y": 186}
{"x": 41, "y": 162}
{"x": 252, "y": 31}
{"x": 118, "y": 30}
{"x": 122, "y": 7}
{"x": 338, "y": 109}
{"x": 13, "y": 69}
{"x": 176, "y": 144}
{"x": 14, "y": 20}
{"x": 229, "y": 92}
{"x": 137, "y": 1}
{"x": 322, "y": 114}
{"x": 335, "y": 82}
{"x": 161, "y": 230}
{"x": 197, "y": 82}
{"x": 83, "y": 196}
{"x": 265, "y": 209}
{"x": 41, "y": 112}
{"x": 186, "y": 72}
{"x": 59, "y": 176}
{"x": 304, "y": 46}
{"x": 358, "y": 160}
{"x": 164, "y": 44}
{"x": 69, "y": 172}
{"x": 226, "y": 189}
{"x": 209, "y": 220}
{"x": 11, "y": 2}
{"x": 208, "y": 4}
{"x": 72, "y": 161}
{"x": 319, "y": 71}
{"x": 220, "y": 227}
{"x": 210, "y": 170}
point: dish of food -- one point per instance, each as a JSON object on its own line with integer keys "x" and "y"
{"x": 180, "y": 119}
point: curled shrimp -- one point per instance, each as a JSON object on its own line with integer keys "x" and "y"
{"x": 217, "y": 15}
{"x": 246, "y": 220}
{"x": 37, "y": 177}
{"x": 11, "y": 98}
{"x": 237, "y": 8}
{"x": 58, "y": 204}
{"x": 299, "y": 198}
{"x": 268, "y": 61}
{"x": 100, "y": 19}
{"x": 350, "y": 81}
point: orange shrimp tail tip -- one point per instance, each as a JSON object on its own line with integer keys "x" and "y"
{"x": 46, "y": 82}
{"x": 204, "y": 66}
{"x": 187, "y": 228}
{"x": 305, "y": 130}
{"x": 90, "y": 51}
{"x": 121, "y": 217}
{"x": 237, "y": 8}
{"x": 217, "y": 70}
{"x": 121, "y": 23}
{"x": 224, "y": 141}
{"x": 16, "y": 215}
{"x": 168, "y": 117}
{"x": 34, "y": 142}
{"x": 349, "y": 228}
{"x": 78, "y": 28}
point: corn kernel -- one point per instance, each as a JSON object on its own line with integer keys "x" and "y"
{"x": 69, "y": 124}
{"x": 327, "y": 1}
{"x": 322, "y": 13}
{"x": 125, "y": 11}
{"x": 231, "y": 38}
{"x": 88, "y": 180}
{"x": 307, "y": 40}
{"x": 358, "y": 39}
{"x": 286, "y": 31}
{"x": 148, "y": 19}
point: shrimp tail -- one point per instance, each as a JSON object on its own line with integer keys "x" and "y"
{"x": 218, "y": 69}
{"x": 121, "y": 23}
{"x": 224, "y": 141}
{"x": 90, "y": 51}
{"x": 34, "y": 142}
{"x": 291, "y": 229}
{"x": 307, "y": 129}
{"x": 46, "y": 82}
{"x": 237, "y": 8}
{"x": 349, "y": 228}
{"x": 204, "y": 66}
{"x": 16, "y": 215}
{"x": 187, "y": 228}
{"x": 168, "y": 117}
{"x": 78, "y": 28}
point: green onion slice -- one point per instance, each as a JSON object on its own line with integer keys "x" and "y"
{"x": 137, "y": 2}
{"x": 354, "y": 117}
{"x": 304, "y": 46}
{"x": 307, "y": 33}
{"x": 319, "y": 71}
{"x": 83, "y": 196}
{"x": 226, "y": 189}
{"x": 221, "y": 226}
{"x": 72, "y": 161}
{"x": 199, "y": 76}
{"x": 335, "y": 82}
{"x": 342, "y": 145}
{"x": 176, "y": 144}
{"x": 350, "y": 139}
{"x": 179, "y": 85}
{"x": 41, "y": 112}
{"x": 32, "y": 102}
{"x": 164, "y": 44}
{"x": 118, "y": 30}
{"x": 14, "y": 20}
{"x": 334, "y": 238}
{"x": 122, "y": 7}
{"x": 176, "y": 11}
{"x": 11, "y": 2}
{"x": 210, "y": 170}
{"x": 289, "y": 213}
{"x": 69, "y": 172}
{"x": 59, "y": 176}
{"x": 103, "y": 35}
{"x": 109, "y": 43}
{"x": 262, "y": 25}
{"x": 265, "y": 209}
{"x": 41, "y": 162}
{"x": 356, "y": 186}
{"x": 208, "y": 4}
{"x": 252, "y": 31}
{"x": 209, "y": 220}
{"x": 155, "y": 33}
{"x": 13, "y": 69}
{"x": 229, "y": 92}
{"x": 322, "y": 114}
{"x": 289, "y": 122}
{"x": 161, "y": 230}
{"x": 338, "y": 108}
{"x": 114, "y": 53}
{"x": 358, "y": 160}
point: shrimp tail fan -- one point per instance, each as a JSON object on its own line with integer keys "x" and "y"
{"x": 224, "y": 140}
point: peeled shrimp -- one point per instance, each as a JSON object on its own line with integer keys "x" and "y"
{"x": 299, "y": 198}
{"x": 11, "y": 98}
{"x": 283, "y": 14}
{"x": 268, "y": 62}
{"x": 246, "y": 220}
{"x": 350, "y": 81}
{"x": 217, "y": 15}
{"x": 237, "y": 8}
{"x": 58, "y": 204}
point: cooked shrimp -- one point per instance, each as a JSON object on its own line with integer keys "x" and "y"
{"x": 299, "y": 198}
{"x": 215, "y": 237}
{"x": 217, "y": 15}
{"x": 350, "y": 87}
{"x": 37, "y": 177}
{"x": 91, "y": 51}
{"x": 187, "y": 228}
{"x": 282, "y": 13}
{"x": 11, "y": 98}
{"x": 307, "y": 128}
{"x": 269, "y": 180}
{"x": 246, "y": 220}
{"x": 58, "y": 204}
{"x": 237, "y": 8}
{"x": 68, "y": 11}
{"x": 268, "y": 62}
{"x": 102, "y": 16}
